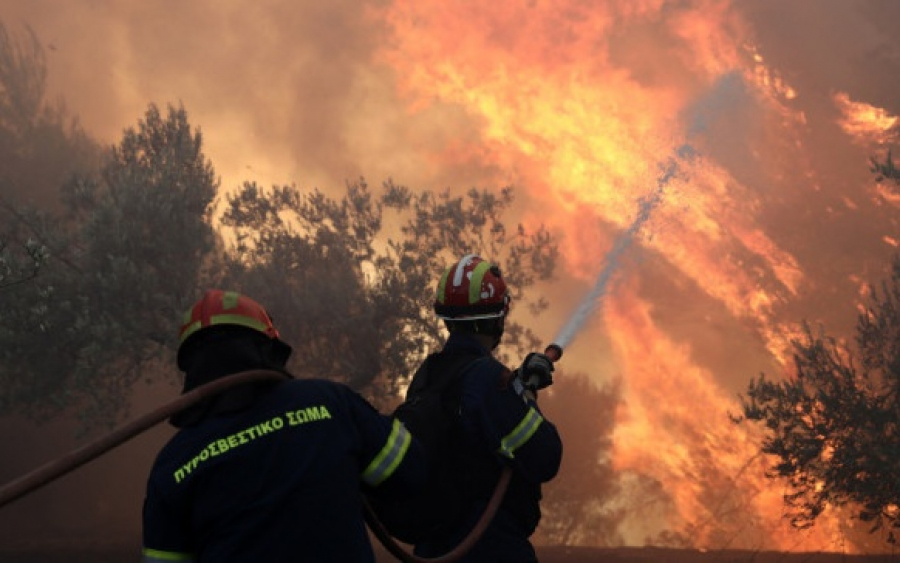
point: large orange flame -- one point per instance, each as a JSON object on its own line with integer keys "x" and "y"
{"x": 584, "y": 131}
{"x": 677, "y": 431}
{"x": 583, "y": 103}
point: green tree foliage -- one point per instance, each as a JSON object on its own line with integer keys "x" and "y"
{"x": 21, "y": 255}
{"x": 834, "y": 428}
{"x": 125, "y": 255}
{"x": 350, "y": 280}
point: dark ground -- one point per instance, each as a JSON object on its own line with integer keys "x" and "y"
{"x": 546, "y": 554}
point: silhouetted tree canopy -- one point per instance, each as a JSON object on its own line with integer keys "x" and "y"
{"x": 126, "y": 253}
{"x": 834, "y": 427}
{"x": 350, "y": 280}
{"x": 21, "y": 255}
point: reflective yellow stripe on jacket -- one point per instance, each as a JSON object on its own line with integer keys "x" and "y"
{"x": 520, "y": 434}
{"x": 390, "y": 456}
{"x": 159, "y": 556}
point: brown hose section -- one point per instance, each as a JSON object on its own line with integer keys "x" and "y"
{"x": 55, "y": 469}
{"x": 78, "y": 457}
{"x": 464, "y": 546}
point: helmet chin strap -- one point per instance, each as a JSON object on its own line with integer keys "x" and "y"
{"x": 496, "y": 333}
{"x": 489, "y": 331}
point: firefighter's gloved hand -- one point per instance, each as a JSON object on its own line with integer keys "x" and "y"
{"x": 536, "y": 371}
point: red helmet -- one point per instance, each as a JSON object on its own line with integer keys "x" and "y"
{"x": 219, "y": 308}
{"x": 471, "y": 289}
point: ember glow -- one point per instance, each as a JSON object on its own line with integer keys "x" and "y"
{"x": 864, "y": 122}
{"x": 774, "y": 218}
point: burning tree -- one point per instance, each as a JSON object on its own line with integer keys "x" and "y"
{"x": 834, "y": 428}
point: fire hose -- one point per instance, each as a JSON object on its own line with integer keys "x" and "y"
{"x": 55, "y": 469}
{"x": 51, "y": 471}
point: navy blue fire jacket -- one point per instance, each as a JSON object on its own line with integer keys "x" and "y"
{"x": 279, "y": 481}
{"x": 503, "y": 429}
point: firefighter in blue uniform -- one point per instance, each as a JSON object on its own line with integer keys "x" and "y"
{"x": 498, "y": 417}
{"x": 268, "y": 471}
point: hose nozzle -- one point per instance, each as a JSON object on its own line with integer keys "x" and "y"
{"x": 554, "y": 352}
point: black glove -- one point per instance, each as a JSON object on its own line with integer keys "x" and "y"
{"x": 536, "y": 371}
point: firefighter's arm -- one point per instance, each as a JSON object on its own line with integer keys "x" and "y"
{"x": 164, "y": 533}
{"x": 539, "y": 454}
{"x": 512, "y": 425}
{"x": 392, "y": 460}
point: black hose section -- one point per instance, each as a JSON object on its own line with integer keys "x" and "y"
{"x": 464, "y": 546}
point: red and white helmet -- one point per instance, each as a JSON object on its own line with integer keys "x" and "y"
{"x": 470, "y": 290}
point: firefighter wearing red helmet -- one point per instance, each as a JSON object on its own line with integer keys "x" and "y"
{"x": 496, "y": 413}
{"x": 268, "y": 471}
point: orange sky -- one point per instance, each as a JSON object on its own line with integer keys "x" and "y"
{"x": 775, "y": 218}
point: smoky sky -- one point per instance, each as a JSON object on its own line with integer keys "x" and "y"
{"x": 284, "y": 92}
{"x": 832, "y": 46}
{"x": 300, "y": 92}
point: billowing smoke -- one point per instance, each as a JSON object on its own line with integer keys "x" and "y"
{"x": 775, "y": 217}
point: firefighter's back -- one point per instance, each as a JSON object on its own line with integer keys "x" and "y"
{"x": 278, "y": 481}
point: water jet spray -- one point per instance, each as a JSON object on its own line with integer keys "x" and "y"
{"x": 726, "y": 93}
{"x": 646, "y": 205}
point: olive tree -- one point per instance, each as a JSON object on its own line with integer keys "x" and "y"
{"x": 350, "y": 280}
{"x": 833, "y": 428}
{"x": 129, "y": 249}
